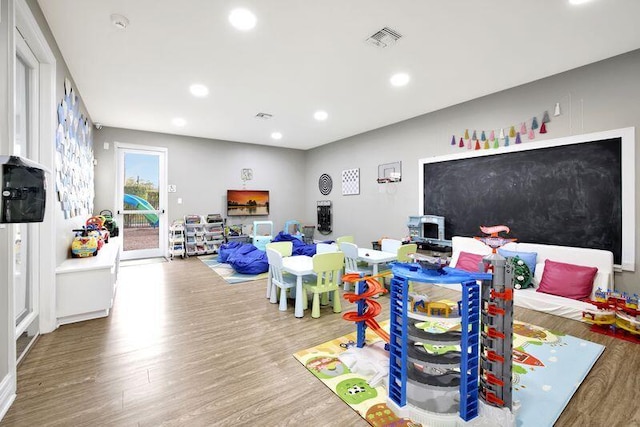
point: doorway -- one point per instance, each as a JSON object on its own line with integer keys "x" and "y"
{"x": 141, "y": 200}
{"x": 25, "y": 236}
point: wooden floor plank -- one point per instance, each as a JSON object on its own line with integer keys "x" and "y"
{"x": 183, "y": 347}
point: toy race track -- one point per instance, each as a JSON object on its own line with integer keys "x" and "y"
{"x": 371, "y": 307}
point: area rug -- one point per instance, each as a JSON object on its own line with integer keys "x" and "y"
{"x": 227, "y": 272}
{"x": 552, "y": 366}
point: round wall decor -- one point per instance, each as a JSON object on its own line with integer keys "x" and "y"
{"x": 325, "y": 184}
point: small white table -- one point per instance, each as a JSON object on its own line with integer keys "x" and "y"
{"x": 374, "y": 257}
{"x": 299, "y": 265}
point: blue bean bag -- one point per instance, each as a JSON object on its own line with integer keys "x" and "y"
{"x": 227, "y": 249}
{"x": 244, "y": 258}
{"x": 299, "y": 247}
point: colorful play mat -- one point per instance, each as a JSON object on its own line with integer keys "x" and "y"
{"x": 548, "y": 367}
{"x": 227, "y": 272}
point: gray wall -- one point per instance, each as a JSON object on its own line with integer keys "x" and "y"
{"x": 593, "y": 98}
{"x": 203, "y": 170}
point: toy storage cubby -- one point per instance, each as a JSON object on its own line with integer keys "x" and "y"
{"x": 203, "y": 237}
{"x": 194, "y": 233}
{"x": 177, "y": 239}
{"x": 213, "y": 233}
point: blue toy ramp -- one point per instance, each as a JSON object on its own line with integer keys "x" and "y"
{"x": 142, "y": 205}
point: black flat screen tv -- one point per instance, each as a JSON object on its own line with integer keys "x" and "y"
{"x": 247, "y": 202}
{"x": 23, "y": 192}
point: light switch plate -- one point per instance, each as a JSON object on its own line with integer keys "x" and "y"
{"x": 172, "y": 188}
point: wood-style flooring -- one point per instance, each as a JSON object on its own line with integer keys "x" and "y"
{"x": 183, "y": 348}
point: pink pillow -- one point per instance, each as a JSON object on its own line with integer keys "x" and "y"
{"x": 468, "y": 261}
{"x": 567, "y": 280}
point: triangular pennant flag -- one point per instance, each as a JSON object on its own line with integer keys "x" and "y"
{"x": 531, "y": 134}
{"x": 556, "y": 110}
{"x": 506, "y": 141}
{"x": 501, "y": 133}
{"x": 486, "y": 144}
{"x": 496, "y": 144}
{"x": 543, "y": 128}
{"x": 474, "y": 135}
{"x": 461, "y": 144}
{"x": 492, "y": 136}
{"x": 523, "y": 128}
{"x": 545, "y": 117}
{"x": 477, "y": 144}
{"x": 518, "y": 140}
{"x": 453, "y": 140}
{"x": 512, "y": 132}
{"x": 469, "y": 144}
{"x": 483, "y": 137}
{"x": 534, "y": 123}
{"x": 466, "y": 134}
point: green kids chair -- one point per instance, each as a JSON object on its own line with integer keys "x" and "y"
{"x": 328, "y": 269}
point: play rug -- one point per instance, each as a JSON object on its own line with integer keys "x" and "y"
{"x": 551, "y": 368}
{"x": 227, "y": 272}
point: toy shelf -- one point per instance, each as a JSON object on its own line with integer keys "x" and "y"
{"x": 177, "y": 239}
{"x": 203, "y": 237}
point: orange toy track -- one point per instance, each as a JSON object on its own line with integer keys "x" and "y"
{"x": 373, "y": 308}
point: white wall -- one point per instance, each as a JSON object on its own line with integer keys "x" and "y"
{"x": 593, "y": 98}
{"x": 204, "y": 169}
{"x": 64, "y": 227}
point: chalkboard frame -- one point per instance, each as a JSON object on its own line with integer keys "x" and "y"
{"x": 627, "y": 137}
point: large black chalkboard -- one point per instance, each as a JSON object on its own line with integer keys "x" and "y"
{"x": 569, "y": 195}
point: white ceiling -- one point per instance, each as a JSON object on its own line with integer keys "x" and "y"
{"x": 308, "y": 55}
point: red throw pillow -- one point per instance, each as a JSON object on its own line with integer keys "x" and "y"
{"x": 468, "y": 261}
{"x": 567, "y": 280}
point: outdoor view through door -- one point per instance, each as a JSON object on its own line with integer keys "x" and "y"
{"x": 142, "y": 192}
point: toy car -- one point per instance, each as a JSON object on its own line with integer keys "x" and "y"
{"x": 95, "y": 225}
{"x": 84, "y": 245}
{"x": 110, "y": 223}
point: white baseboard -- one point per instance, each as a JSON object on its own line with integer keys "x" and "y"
{"x": 7, "y": 394}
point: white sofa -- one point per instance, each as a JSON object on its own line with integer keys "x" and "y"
{"x": 530, "y": 298}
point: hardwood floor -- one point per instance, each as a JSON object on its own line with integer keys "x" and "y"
{"x": 182, "y": 347}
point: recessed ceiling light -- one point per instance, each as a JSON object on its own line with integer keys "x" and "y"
{"x": 179, "y": 121}
{"x": 399, "y": 79}
{"x": 242, "y": 19}
{"x": 119, "y": 21}
{"x": 579, "y": 1}
{"x": 199, "y": 90}
{"x": 276, "y": 135}
{"x": 320, "y": 115}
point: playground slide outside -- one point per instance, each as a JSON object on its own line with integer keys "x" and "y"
{"x": 373, "y": 308}
{"x": 142, "y": 205}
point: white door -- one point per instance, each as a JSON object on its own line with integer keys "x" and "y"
{"x": 25, "y": 280}
{"x": 141, "y": 200}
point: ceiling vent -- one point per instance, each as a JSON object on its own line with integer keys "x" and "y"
{"x": 264, "y": 116}
{"x": 384, "y": 38}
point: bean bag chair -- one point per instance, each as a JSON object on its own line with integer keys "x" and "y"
{"x": 249, "y": 260}
{"x": 227, "y": 249}
{"x": 299, "y": 247}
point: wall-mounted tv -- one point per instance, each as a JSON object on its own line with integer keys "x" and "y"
{"x": 247, "y": 202}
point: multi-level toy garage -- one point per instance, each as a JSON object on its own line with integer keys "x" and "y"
{"x": 464, "y": 378}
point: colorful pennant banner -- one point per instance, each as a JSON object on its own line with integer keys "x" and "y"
{"x": 527, "y": 128}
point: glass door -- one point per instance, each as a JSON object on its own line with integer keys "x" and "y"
{"x": 142, "y": 191}
{"x": 25, "y": 280}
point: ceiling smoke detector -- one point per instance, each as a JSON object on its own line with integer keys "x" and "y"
{"x": 119, "y": 21}
{"x": 264, "y": 116}
{"x": 384, "y": 38}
